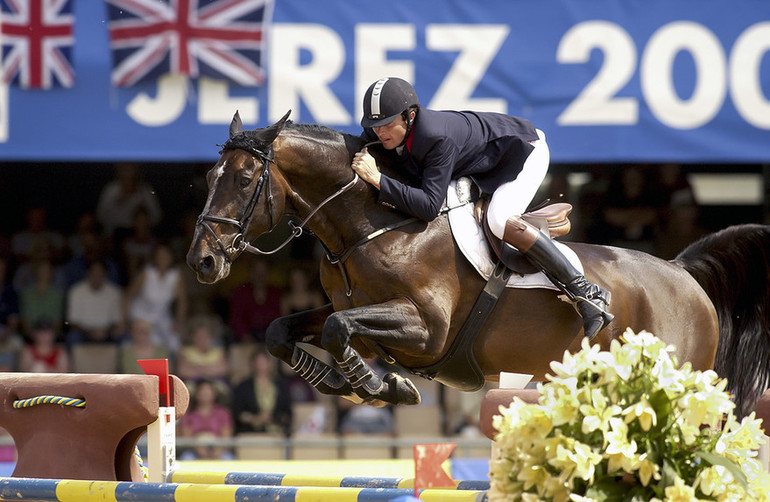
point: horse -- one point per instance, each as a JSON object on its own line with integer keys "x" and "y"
{"x": 401, "y": 290}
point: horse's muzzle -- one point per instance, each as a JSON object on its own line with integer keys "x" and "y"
{"x": 209, "y": 266}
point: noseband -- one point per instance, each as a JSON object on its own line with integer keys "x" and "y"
{"x": 239, "y": 243}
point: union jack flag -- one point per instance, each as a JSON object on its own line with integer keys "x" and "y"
{"x": 37, "y": 38}
{"x": 217, "y": 38}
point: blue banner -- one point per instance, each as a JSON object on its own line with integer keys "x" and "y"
{"x": 606, "y": 80}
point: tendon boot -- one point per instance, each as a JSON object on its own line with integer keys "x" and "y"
{"x": 589, "y": 299}
{"x": 365, "y": 382}
{"x": 326, "y": 379}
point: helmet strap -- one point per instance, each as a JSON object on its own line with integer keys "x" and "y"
{"x": 409, "y": 123}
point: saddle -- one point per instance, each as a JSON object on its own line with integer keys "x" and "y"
{"x": 551, "y": 219}
{"x": 458, "y": 367}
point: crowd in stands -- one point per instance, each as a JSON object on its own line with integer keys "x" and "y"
{"x": 116, "y": 281}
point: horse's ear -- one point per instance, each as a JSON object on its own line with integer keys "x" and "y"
{"x": 269, "y": 134}
{"x": 236, "y": 125}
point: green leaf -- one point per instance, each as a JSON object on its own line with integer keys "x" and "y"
{"x": 608, "y": 490}
{"x": 733, "y": 468}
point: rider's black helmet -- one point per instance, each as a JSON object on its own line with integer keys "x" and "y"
{"x": 386, "y": 99}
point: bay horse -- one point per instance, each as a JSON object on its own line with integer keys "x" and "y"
{"x": 400, "y": 289}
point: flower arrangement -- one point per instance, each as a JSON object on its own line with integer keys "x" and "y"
{"x": 627, "y": 425}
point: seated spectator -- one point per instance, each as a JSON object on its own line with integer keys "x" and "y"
{"x": 94, "y": 308}
{"x": 139, "y": 346}
{"x": 93, "y": 248}
{"x": 206, "y": 418}
{"x": 42, "y": 300}
{"x": 11, "y": 345}
{"x": 299, "y": 296}
{"x": 262, "y": 402}
{"x": 631, "y": 210}
{"x": 138, "y": 246}
{"x": 25, "y": 242}
{"x": 157, "y": 295}
{"x": 203, "y": 357}
{"x": 25, "y": 271}
{"x": 43, "y": 354}
{"x": 86, "y": 227}
{"x": 120, "y": 199}
{"x": 9, "y": 301}
{"x": 254, "y": 305}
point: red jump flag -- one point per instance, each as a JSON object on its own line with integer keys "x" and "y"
{"x": 428, "y": 470}
{"x": 158, "y": 367}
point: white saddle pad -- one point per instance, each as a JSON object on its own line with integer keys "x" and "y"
{"x": 471, "y": 240}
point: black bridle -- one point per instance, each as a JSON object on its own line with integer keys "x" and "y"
{"x": 239, "y": 244}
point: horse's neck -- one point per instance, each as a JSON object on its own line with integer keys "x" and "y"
{"x": 346, "y": 218}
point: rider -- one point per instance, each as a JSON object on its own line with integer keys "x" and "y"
{"x": 505, "y": 156}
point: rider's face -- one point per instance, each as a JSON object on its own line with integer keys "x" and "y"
{"x": 392, "y": 134}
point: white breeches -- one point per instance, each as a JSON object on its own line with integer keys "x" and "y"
{"x": 512, "y": 198}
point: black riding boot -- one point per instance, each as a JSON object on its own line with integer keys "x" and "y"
{"x": 589, "y": 299}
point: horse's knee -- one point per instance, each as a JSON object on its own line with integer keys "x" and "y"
{"x": 335, "y": 335}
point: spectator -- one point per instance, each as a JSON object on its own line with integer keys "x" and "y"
{"x": 86, "y": 226}
{"x": 262, "y": 402}
{"x": 299, "y": 296}
{"x": 43, "y": 354}
{"x": 139, "y": 346}
{"x": 254, "y": 305}
{"x": 137, "y": 247}
{"x": 93, "y": 248}
{"x": 25, "y": 242}
{"x": 94, "y": 308}
{"x": 25, "y": 272}
{"x": 9, "y": 301}
{"x": 206, "y": 419}
{"x": 157, "y": 294}
{"x": 11, "y": 345}
{"x": 204, "y": 357}
{"x": 120, "y": 199}
{"x": 42, "y": 299}
{"x": 631, "y": 210}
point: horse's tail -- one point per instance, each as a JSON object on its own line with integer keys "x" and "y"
{"x": 733, "y": 267}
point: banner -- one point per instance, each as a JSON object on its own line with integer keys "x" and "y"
{"x": 606, "y": 80}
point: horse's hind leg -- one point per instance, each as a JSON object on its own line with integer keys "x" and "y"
{"x": 282, "y": 336}
{"x": 392, "y": 323}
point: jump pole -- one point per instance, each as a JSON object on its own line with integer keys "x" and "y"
{"x": 161, "y": 434}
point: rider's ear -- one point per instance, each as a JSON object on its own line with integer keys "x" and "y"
{"x": 236, "y": 125}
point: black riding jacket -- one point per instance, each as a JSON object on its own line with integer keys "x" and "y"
{"x": 490, "y": 148}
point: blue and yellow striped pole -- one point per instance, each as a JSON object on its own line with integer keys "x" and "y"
{"x": 268, "y": 479}
{"x": 122, "y": 491}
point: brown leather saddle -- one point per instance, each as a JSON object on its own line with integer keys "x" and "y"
{"x": 551, "y": 219}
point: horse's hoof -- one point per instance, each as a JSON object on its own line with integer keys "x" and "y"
{"x": 401, "y": 390}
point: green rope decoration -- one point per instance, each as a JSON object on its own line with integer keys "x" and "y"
{"x": 60, "y": 400}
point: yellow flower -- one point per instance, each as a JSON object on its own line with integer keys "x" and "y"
{"x": 680, "y": 492}
{"x": 643, "y": 412}
{"x": 647, "y": 470}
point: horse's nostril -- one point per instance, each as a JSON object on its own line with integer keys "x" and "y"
{"x": 207, "y": 262}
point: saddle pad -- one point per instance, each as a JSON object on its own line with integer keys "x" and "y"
{"x": 470, "y": 238}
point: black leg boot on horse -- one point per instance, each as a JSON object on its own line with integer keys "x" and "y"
{"x": 589, "y": 299}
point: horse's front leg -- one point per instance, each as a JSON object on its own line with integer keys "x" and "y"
{"x": 282, "y": 337}
{"x": 396, "y": 323}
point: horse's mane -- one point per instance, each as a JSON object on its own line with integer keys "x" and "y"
{"x": 322, "y": 133}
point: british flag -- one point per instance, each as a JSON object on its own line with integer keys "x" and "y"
{"x": 217, "y": 38}
{"x": 37, "y": 38}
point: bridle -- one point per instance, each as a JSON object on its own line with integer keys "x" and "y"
{"x": 239, "y": 243}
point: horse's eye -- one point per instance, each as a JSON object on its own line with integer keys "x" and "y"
{"x": 245, "y": 182}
